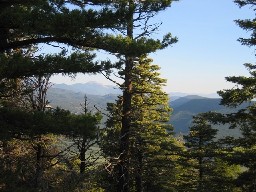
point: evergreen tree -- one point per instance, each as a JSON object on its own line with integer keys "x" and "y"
{"x": 205, "y": 163}
{"x": 81, "y": 25}
{"x": 85, "y": 136}
{"x": 242, "y": 148}
{"x": 31, "y": 127}
{"x": 154, "y": 146}
{"x": 201, "y": 148}
{"x": 247, "y": 24}
{"x": 26, "y": 24}
{"x": 153, "y": 149}
{"x": 241, "y": 151}
{"x": 136, "y": 29}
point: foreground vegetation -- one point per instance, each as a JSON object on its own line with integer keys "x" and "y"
{"x": 52, "y": 149}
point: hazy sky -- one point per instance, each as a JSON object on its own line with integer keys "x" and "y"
{"x": 207, "y": 50}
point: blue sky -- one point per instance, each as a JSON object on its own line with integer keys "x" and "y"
{"x": 207, "y": 50}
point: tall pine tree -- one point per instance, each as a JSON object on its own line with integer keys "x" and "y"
{"x": 241, "y": 151}
{"x": 202, "y": 150}
{"x": 152, "y": 147}
{"x": 136, "y": 29}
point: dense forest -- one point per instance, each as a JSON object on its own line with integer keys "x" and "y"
{"x": 45, "y": 148}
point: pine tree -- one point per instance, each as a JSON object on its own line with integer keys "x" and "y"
{"x": 31, "y": 124}
{"x": 28, "y": 24}
{"x": 201, "y": 148}
{"x": 205, "y": 163}
{"x": 242, "y": 148}
{"x": 240, "y": 151}
{"x": 154, "y": 145}
{"x": 153, "y": 148}
{"x": 138, "y": 14}
{"x": 247, "y": 24}
{"x": 85, "y": 135}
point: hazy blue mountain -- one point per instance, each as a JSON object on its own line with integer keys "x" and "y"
{"x": 95, "y": 88}
{"x": 185, "y": 108}
{"x": 173, "y": 98}
{"x": 181, "y": 100}
{"x": 176, "y": 95}
{"x": 73, "y": 101}
{"x": 91, "y": 88}
{"x": 71, "y": 97}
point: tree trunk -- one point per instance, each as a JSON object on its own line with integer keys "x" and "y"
{"x": 82, "y": 157}
{"x": 3, "y": 39}
{"x": 138, "y": 178}
{"x": 39, "y": 154}
{"x": 200, "y": 185}
{"x": 125, "y": 131}
{"x": 123, "y": 184}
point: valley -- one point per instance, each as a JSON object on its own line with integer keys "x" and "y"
{"x": 184, "y": 107}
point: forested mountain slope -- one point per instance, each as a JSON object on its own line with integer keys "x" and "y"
{"x": 91, "y": 88}
{"x": 72, "y": 101}
{"x": 184, "y": 108}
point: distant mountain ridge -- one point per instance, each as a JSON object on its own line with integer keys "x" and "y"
{"x": 95, "y": 88}
{"x": 181, "y": 100}
{"x": 74, "y": 101}
{"x": 71, "y": 97}
{"x": 181, "y": 94}
{"x": 91, "y": 88}
{"x": 186, "y": 107}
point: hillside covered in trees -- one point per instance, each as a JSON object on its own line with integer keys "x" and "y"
{"x": 184, "y": 108}
{"x": 47, "y": 148}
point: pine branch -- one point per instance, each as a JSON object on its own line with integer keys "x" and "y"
{"x": 107, "y": 77}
